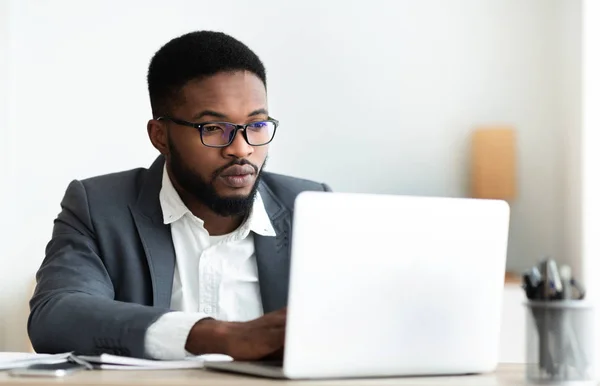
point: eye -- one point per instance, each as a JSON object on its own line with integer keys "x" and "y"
{"x": 212, "y": 129}
{"x": 258, "y": 125}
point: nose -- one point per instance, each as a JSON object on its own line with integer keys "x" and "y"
{"x": 239, "y": 148}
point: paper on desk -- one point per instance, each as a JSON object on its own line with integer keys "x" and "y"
{"x": 13, "y": 360}
{"x": 115, "y": 362}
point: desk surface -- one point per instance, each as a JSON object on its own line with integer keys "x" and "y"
{"x": 512, "y": 375}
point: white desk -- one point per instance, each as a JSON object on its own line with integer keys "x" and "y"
{"x": 506, "y": 375}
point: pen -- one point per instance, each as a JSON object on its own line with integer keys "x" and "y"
{"x": 531, "y": 283}
{"x": 565, "y": 277}
{"x": 554, "y": 278}
{"x": 580, "y": 289}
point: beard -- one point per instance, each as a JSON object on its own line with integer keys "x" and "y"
{"x": 205, "y": 192}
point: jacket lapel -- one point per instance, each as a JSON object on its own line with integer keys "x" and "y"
{"x": 155, "y": 235}
{"x": 273, "y": 254}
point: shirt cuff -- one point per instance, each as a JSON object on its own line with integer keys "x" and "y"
{"x": 165, "y": 339}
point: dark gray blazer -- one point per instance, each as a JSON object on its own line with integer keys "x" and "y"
{"x": 108, "y": 271}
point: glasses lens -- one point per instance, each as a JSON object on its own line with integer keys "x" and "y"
{"x": 217, "y": 134}
{"x": 259, "y": 133}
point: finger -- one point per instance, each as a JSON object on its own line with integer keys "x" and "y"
{"x": 272, "y": 319}
{"x": 275, "y": 337}
{"x": 278, "y": 320}
{"x": 265, "y": 320}
{"x": 275, "y": 355}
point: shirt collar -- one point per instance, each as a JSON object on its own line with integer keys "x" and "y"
{"x": 173, "y": 209}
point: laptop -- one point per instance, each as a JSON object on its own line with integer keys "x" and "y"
{"x": 387, "y": 286}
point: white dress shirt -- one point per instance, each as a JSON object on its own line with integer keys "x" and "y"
{"x": 215, "y": 276}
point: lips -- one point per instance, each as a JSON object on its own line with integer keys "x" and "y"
{"x": 238, "y": 176}
{"x": 238, "y": 170}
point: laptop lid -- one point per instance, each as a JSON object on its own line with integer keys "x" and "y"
{"x": 385, "y": 285}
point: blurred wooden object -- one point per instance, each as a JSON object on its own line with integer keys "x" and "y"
{"x": 512, "y": 278}
{"x": 494, "y": 164}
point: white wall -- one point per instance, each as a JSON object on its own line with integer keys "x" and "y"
{"x": 590, "y": 143}
{"x": 570, "y": 77}
{"x": 422, "y": 73}
{"x": 4, "y": 158}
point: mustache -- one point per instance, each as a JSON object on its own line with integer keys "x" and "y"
{"x": 238, "y": 162}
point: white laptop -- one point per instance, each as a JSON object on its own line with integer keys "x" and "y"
{"x": 384, "y": 285}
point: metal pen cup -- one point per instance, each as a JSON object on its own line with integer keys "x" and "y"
{"x": 560, "y": 342}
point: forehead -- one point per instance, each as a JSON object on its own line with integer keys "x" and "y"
{"x": 229, "y": 93}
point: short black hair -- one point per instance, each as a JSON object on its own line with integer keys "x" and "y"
{"x": 196, "y": 55}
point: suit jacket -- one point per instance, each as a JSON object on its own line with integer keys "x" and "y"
{"x": 108, "y": 270}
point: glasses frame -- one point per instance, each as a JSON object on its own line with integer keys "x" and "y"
{"x": 242, "y": 128}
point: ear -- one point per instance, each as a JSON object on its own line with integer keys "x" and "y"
{"x": 157, "y": 132}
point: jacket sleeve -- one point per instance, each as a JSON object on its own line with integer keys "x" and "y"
{"x": 73, "y": 306}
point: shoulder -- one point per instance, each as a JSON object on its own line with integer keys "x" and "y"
{"x": 124, "y": 185}
{"x": 104, "y": 196}
{"x": 287, "y": 188}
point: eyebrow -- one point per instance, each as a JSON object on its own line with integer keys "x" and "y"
{"x": 218, "y": 115}
{"x": 258, "y": 112}
{"x": 209, "y": 113}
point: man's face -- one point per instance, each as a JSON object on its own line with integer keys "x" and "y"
{"x": 224, "y": 179}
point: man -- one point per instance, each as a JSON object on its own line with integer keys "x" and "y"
{"x": 190, "y": 256}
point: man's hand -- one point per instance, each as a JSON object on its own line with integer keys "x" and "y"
{"x": 244, "y": 341}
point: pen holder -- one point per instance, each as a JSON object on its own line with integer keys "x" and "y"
{"x": 560, "y": 342}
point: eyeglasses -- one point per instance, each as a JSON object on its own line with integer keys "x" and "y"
{"x": 221, "y": 134}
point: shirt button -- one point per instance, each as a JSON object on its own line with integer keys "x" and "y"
{"x": 207, "y": 309}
